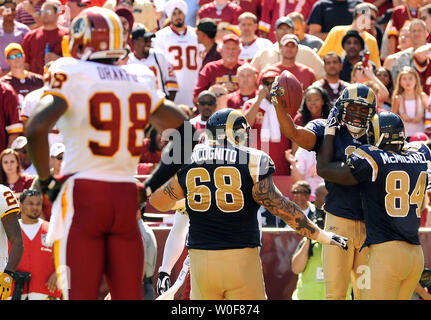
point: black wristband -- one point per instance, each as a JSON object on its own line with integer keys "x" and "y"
{"x": 9, "y": 273}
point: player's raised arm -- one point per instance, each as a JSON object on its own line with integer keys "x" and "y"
{"x": 337, "y": 172}
{"x": 169, "y": 116}
{"x": 301, "y": 136}
{"x": 266, "y": 194}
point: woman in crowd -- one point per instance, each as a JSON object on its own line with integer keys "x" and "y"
{"x": 12, "y": 175}
{"x": 385, "y": 76}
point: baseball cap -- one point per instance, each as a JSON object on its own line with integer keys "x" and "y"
{"x": 56, "y": 149}
{"x": 419, "y": 136}
{"x": 232, "y": 37}
{"x": 142, "y": 32}
{"x": 289, "y": 38}
{"x": 12, "y": 46}
{"x": 19, "y": 143}
{"x": 268, "y": 73}
{"x": 208, "y": 26}
{"x": 284, "y": 20}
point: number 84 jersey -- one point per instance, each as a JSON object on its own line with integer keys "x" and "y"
{"x": 108, "y": 108}
{"x": 393, "y": 187}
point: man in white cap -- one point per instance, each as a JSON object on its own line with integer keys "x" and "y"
{"x": 56, "y": 153}
{"x": 20, "y": 146}
{"x": 179, "y": 43}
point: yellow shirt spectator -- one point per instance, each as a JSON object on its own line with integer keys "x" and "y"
{"x": 333, "y": 43}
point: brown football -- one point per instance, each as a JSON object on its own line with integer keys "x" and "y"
{"x": 289, "y": 92}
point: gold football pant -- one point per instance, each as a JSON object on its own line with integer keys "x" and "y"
{"x": 234, "y": 274}
{"x": 395, "y": 270}
{"x": 341, "y": 266}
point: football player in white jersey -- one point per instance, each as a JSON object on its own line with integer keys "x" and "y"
{"x": 155, "y": 60}
{"x": 179, "y": 43}
{"x": 250, "y": 42}
{"x": 9, "y": 230}
{"x": 101, "y": 110}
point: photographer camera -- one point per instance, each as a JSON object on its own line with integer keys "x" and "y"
{"x": 38, "y": 259}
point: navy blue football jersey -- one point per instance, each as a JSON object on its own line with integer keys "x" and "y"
{"x": 217, "y": 185}
{"x": 393, "y": 187}
{"x": 341, "y": 201}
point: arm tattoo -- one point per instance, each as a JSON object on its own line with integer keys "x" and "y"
{"x": 266, "y": 194}
{"x": 169, "y": 191}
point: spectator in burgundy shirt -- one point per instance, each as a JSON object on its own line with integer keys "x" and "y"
{"x": 10, "y": 31}
{"x": 21, "y": 80}
{"x": 247, "y": 83}
{"x": 10, "y": 126}
{"x": 48, "y": 37}
{"x": 206, "y": 31}
{"x": 221, "y": 11}
{"x": 222, "y": 71}
{"x": 331, "y": 82}
{"x": 28, "y": 13}
{"x": 288, "y": 50}
{"x": 425, "y": 15}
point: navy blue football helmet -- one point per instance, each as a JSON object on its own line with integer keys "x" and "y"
{"x": 386, "y": 128}
{"x": 227, "y": 126}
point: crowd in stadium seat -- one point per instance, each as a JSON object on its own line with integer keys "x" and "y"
{"x": 227, "y": 53}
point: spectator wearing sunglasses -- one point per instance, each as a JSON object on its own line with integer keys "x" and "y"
{"x": 11, "y": 31}
{"x": 44, "y": 43}
{"x": 206, "y": 106}
{"x": 20, "y": 146}
{"x": 364, "y": 18}
{"x": 263, "y": 120}
{"x": 22, "y": 80}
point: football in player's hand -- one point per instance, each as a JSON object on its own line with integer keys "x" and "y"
{"x": 287, "y": 91}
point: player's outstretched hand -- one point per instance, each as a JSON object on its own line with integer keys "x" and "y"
{"x": 326, "y": 237}
{"x": 163, "y": 283}
{"x": 5, "y": 285}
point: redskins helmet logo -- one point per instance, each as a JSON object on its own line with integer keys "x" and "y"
{"x": 78, "y": 28}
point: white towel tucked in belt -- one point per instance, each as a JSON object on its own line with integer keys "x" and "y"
{"x": 270, "y": 127}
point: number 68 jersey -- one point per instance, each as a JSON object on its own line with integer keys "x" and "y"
{"x": 393, "y": 187}
{"x": 108, "y": 108}
{"x": 218, "y": 185}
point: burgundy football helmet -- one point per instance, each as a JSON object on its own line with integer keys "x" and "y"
{"x": 96, "y": 33}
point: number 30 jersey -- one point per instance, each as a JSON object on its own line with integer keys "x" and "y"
{"x": 218, "y": 186}
{"x": 8, "y": 205}
{"x": 108, "y": 109}
{"x": 393, "y": 187}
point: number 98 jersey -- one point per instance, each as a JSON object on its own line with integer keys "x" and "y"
{"x": 217, "y": 185}
{"x": 393, "y": 187}
{"x": 108, "y": 109}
